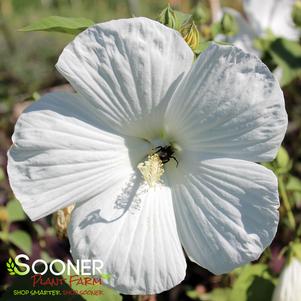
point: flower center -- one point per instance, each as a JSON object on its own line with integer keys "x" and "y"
{"x": 152, "y": 169}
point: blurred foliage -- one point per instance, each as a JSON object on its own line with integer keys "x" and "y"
{"x": 27, "y": 70}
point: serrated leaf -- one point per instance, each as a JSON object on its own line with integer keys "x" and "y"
{"x": 12, "y": 273}
{"x": 8, "y": 265}
{"x": 22, "y": 240}
{"x": 253, "y": 283}
{"x": 10, "y": 260}
{"x": 15, "y": 211}
{"x": 60, "y": 24}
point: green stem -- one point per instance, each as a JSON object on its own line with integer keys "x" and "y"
{"x": 286, "y": 203}
{"x": 298, "y": 232}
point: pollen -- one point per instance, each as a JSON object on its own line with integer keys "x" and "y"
{"x": 151, "y": 169}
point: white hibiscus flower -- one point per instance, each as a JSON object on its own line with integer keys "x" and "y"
{"x": 274, "y": 15}
{"x": 138, "y": 89}
{"x": 289, "y": 286}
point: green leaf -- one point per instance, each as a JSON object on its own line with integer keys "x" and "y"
{"x": 202, "y": 47}
{"x": 15, "y": 211}
{"x": 293, "y": 184}
{"x": 253, "y": 283}
{"x": 22, "y": 240}
{"x": 60, "y": 24}
{"x": 218, "y": 294}
{"x": 287, "y": 55}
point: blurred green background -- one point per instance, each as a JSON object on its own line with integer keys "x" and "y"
{"x": 27, "y": 70}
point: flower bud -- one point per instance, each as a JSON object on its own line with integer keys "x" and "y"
{"x": 229, "y": 25}
{"x": 168, "y": 17}
{"x": 296, "y": 14}
{"x": 190, "y": 34}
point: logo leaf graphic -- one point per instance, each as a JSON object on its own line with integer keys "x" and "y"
{"x": 10, "y": 266}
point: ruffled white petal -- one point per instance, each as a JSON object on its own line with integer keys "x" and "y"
{"x": 128, "y": 69}
{"x": 229, "y": 105}
{"x": 289, "y": 286}
{"x": 272, "y": 14}
{"x": 61, "y": 155}
{"x": 226, "y": 211}
{"x": 134, "y": 233}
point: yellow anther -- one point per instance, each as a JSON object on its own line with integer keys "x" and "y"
{"x": 151, "y": 169}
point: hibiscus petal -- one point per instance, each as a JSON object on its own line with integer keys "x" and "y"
{"x": 61, "y": 155}
{"x": 128, "y": 69}
{"x": 226, "y": 211}
{"x": 289, "y": 285}
{"x": 229, "y": 105}
{"x": 272, "y": 14}
{"x": 134, "y": 233}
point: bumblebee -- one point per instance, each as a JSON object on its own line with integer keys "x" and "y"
{"x": 166, "y": 153}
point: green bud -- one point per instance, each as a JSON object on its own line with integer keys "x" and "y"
{"x": 282, "y": 158}
{"x": 168, "y": 17}
{"x": 190, "y": 34}
{"x": 200, "y": 14}
{"x": 296, "y": 14}
{"x": 229, "y": 25}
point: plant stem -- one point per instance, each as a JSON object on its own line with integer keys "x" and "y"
{"x": 216, "y": 11}
{"x": 286, "y": 203}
